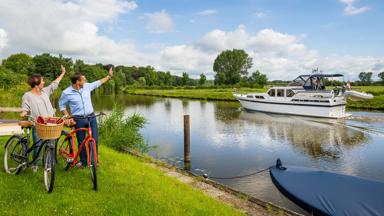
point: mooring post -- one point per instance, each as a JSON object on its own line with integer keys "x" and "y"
{"x": 187, "y": 157}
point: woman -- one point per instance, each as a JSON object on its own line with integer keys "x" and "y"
{"x": 36, "y": 103}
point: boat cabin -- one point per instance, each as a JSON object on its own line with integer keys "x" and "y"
{"x": 280, "y": 92}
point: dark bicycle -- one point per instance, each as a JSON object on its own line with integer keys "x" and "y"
{"x": 17, "y": 151}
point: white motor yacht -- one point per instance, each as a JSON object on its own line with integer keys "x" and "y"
{"x": 306, "y": 95}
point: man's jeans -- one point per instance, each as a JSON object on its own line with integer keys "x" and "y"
{"x": 83, "y": 123}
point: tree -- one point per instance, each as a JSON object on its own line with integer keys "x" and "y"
{"x": 202, "y": 79}
{"x": 151, "y": 76}
{"x": 230, "y": 65}
{"x": 9, "y": 79}
{"x": 258, "y": 78}
{"x": 49, "y": 66}
{"x": 142, "y": 81}
{"x": 365, "y": 78}
{"x": 185, "y": 79}
{"x": 20, "y": 63}
{"x": 219, "y": 78}
{"x": 381, "y": 75}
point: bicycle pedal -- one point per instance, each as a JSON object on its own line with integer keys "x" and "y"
{"x": 69, "y": 160}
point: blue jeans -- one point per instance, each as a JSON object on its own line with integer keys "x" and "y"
{"x": 83, "y": 123}
{"x": 35, "y": 139}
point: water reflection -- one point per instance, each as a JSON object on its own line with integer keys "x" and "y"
{"x": 318, "y": 138}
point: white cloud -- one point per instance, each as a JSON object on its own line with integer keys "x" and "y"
{"x": 3, "y": 38}
{"x": 350, "y": 9}
{"x": 208, "y": 12}
{"x": 260, "y": 14}
{"x": 67, "y": 27}
{"x": 159, "y": 22}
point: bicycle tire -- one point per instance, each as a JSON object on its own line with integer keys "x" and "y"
{"x": 49, "y": 165}
{"x": 13, "y": 147}
{"x": 93, "y": 163}
{"x": 65, "y": 145}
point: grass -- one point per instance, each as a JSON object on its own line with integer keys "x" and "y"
{"x": 374, "y": 90}
{"x": 127, "y": 186}
{"x": 225, "y": 94}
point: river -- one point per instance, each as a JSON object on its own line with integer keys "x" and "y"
{"x": 227, "y": 141}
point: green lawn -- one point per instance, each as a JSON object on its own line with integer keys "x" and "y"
{"x": 127, "y": 186}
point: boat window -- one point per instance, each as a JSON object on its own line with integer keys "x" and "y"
{"x": 280, "y": 93}
{"x": 259, "y": 97}
{"x": 249, "y": 96}
{"x": 290, "y": 93}
{"x": 271, "y": 92}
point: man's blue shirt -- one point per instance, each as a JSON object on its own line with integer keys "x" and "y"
{"x": 79, "y": 101}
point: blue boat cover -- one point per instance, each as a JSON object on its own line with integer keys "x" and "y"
{"x": 327, "y": 193}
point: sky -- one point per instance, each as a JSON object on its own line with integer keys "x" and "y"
{"x": 285, "y": 38}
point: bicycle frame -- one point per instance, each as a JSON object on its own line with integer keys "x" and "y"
{"x": 75, "y": 155}
{"x": 24, "y": 159}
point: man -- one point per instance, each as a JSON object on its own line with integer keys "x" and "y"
{"x": 78, "y": 97}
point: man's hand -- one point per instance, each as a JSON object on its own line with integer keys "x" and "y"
{"x": 110, "y": 71}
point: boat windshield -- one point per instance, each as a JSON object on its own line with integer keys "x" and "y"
{"x": 299, "y": 81}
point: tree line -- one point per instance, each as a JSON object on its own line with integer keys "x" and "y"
{"x": 231, "y": 68}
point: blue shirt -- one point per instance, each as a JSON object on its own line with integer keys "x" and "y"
{"x": 79, "y": 101}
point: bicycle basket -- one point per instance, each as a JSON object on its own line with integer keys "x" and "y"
{"x": 49, "y": 127}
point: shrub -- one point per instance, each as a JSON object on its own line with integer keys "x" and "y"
{"x": 117, "y": 131}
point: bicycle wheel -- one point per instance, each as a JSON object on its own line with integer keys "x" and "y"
{"x": 93, "y": 163}
{"x": 14, "y": 155}
{"x": 65, "y": 147}
{"x": 49, "y": 165}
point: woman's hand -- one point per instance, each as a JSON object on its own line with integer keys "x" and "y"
{"x": 110, "y": 71}
{"x": 62, "y": 69}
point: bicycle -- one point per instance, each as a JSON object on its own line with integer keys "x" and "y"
{"x": 67, "y": 149}
{"x": 16, "y": 156}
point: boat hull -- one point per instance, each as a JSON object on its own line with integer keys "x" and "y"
{"x": 314, "y": 110}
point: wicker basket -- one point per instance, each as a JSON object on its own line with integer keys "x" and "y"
{"x": 49, "y": 131}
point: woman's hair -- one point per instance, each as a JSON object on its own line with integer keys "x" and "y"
{"x": 75, "y": 77}
{"x": 34, "y": 80}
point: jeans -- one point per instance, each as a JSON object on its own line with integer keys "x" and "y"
{"x": 83, "y": 123}
{"x": 35, "y": 139}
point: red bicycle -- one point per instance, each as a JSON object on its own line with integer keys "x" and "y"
{"x": 70, "y": 152}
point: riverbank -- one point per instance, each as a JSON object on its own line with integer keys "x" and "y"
{"x": 225, "y": 94}
{"x": 127, "y": 187}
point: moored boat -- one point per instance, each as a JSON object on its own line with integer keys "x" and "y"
{"x": 306, "y": 95}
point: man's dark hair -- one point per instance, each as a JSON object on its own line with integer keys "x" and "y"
{"x": 34, "y": 80}
{"x": 75, "y": 77}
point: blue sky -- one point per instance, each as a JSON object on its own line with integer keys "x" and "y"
{"x": 284, "y": 37}
{"x": 327, "y": 28}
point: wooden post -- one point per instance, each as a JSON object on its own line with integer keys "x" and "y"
{"x": 187, "y": 157}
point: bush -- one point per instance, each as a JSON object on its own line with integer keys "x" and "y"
{"x": 117, "y": 131}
